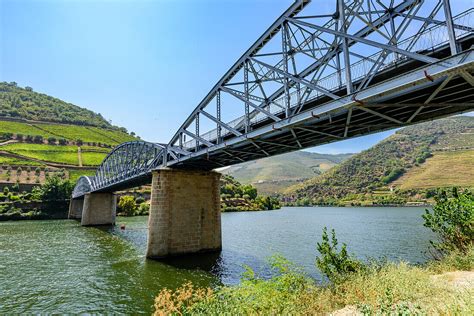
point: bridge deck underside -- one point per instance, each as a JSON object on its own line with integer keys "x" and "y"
{"x": 334, "y": 128}
{"x": 448, "y": 98}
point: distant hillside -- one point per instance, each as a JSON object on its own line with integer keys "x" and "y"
{"x": 17, "y": 102}
{"x": 402, "y": 168}
{"x": 273, "y": 174}
{"x": 41, "y": 135}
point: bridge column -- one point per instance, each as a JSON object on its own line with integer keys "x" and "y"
{"x": 99, "y": 209}
{"x": 75, "y": 208}
{"x": 184, "y": 214}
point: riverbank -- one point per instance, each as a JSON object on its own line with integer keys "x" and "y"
{"x": 33, "y": 210}
{"x": 435, "y": 288}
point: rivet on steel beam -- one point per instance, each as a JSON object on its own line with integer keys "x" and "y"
{"x": 430, "y": 78}
{"x": 357, "y": 101}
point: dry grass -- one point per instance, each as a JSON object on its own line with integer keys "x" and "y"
{"x": 398, "y": 289}
{"x": 444, "y": 169}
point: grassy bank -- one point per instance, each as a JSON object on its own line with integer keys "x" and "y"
{"x": 444, "y": 286}
{"x": 382, "y": 288}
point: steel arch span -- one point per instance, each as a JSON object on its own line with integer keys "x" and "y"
{"x": 129, "y": 163}
{"x": 317, "y": 77}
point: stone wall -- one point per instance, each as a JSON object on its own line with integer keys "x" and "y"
{"x": 184, "y": 213}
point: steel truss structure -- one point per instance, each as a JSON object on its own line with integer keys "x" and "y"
{"x": 367, "y": 66}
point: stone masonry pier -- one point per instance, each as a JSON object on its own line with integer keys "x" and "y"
{"x": 99, "y": 209}
{"x": 75, "y": 208}
{"x": 184, "y": 214}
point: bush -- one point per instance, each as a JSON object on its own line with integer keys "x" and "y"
{"x": 452, "y": 220}
{"x": 52, "y": 140}
{"x": 127, "y": 205}
{"x": 335, "y": 265}
{"x": 143, "y": 209}
{"x": 54, "y": 189}
{"x": 38, "y": 139}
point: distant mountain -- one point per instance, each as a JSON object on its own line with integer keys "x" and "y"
{"x": 405, "y": 167}
{"x": 272, "y": 174}
{"x": 17, "y": 102}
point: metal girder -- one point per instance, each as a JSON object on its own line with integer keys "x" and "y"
{"x": 308, "y": 68}
{"x": 395, "y": 49}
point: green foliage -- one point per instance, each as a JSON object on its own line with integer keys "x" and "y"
{"x": 127, "y": 205}
{"x": 54, "y": 189}
{"x": 452, "y": 219}
{"x": 336, "y": 265}
{"x": 237, "y": 197}
{"x": 393, "y": 175}
{"x": 380, "y": 166}
{"x": 17, "y": 102}
{"x": 388, "y": 289}
{"x": 143, "y": 209}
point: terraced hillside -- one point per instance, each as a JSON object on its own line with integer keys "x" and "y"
{"x": 273, "y": 174}
{"x": 32, "y": 149}
{"x": 406, "y": 167}
{"x": 24, "y": 103}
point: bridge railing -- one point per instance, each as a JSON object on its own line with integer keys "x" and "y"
{"x": 428, "y": 40}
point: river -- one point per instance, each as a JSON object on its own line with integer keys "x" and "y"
{"x": 59, "y": 266}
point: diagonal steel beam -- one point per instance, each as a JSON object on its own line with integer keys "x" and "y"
{"x": 414, "y": 56}
{"x": 297, "y": 79}
{"x": 378, "y": 114}
{"x": 257, "y": 107}
{"x": 226, "y": 126}
{"x": 199, "y": 138}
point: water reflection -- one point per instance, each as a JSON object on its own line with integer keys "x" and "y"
{"x": 61, "y": 267}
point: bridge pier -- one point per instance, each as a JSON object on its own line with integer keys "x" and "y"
{"x": 99, "y": 209}
{"x": 184, "y": 213}
{"x": 75, "y": 208}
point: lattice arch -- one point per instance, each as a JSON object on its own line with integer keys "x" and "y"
{"x": 83, "y": 186}
{"x": 127, "y": 161}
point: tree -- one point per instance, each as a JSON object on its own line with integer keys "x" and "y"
{"x": 452, "y": 220}
{"x": 52, "y": 140}
{"x": 336, "y": 265}
{"x": 127, "y": 205}
{"x": 55, "y": 189}
{"x": 38, "y": 139}
{"x": 28, "y": 88}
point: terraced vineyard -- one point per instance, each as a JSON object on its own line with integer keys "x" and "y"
{"x": 53, "y": 148}
{"x": 71, "y": 133}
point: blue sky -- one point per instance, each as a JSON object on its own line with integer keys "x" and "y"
{"x": 143, "y": 64}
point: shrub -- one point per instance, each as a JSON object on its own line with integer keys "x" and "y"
{"x": 452, "y": 220}
{"x": 143, "y": 209}
{"x": 54, "y": 189}
{"x": 335, "y": 265}
{"x": 52, "y": 140}
{"x": 127, "y": 205}
{"x": 38, "y": 139}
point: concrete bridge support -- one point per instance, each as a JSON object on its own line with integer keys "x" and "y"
{"x": 75, "y": 208}
{"x": 184, "y": 213}
{"x": 99, "y": 209}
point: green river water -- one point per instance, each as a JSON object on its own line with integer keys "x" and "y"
{"x": 59, "y": 266}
